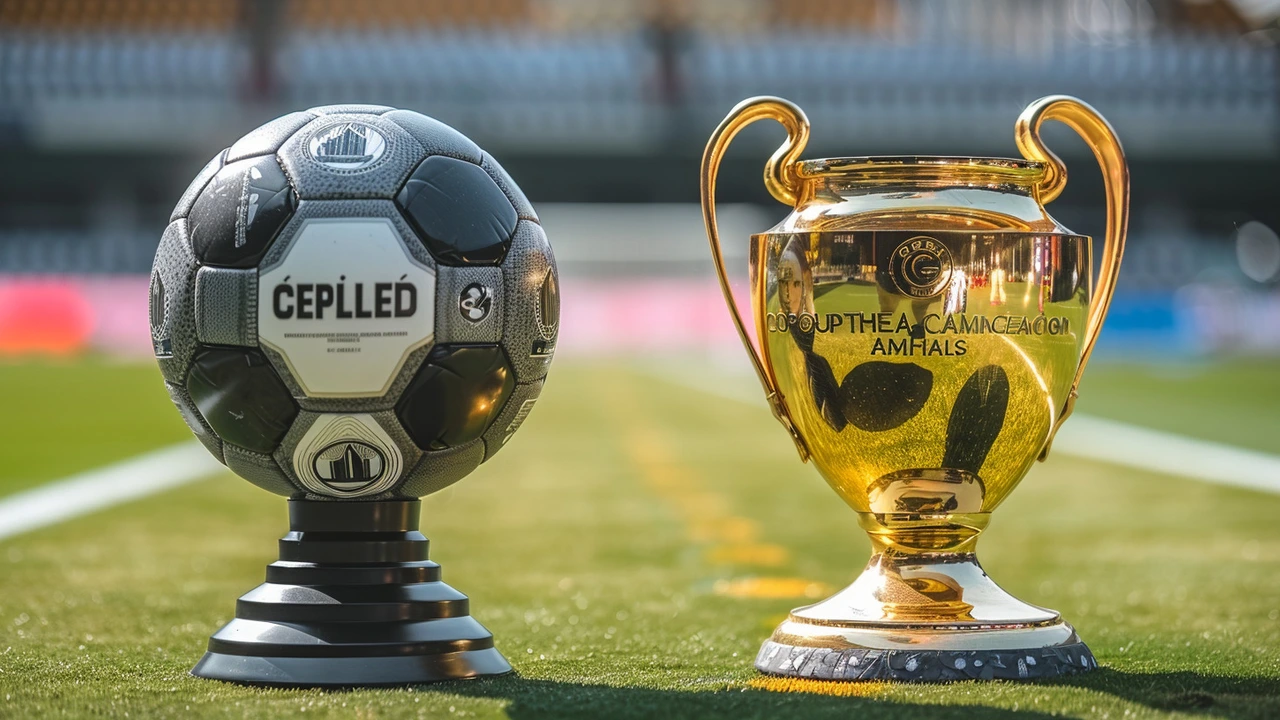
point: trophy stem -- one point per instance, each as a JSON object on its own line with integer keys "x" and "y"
{"x": 352, "y": 601}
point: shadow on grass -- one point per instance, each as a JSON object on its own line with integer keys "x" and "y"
{"x": 1191, "y": 692}
{"x": 535, "y": 699}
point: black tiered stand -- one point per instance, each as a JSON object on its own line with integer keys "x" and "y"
{"x": 353, "y": 600}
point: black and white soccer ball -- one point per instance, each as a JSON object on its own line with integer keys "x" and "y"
{"x": 354, "y": 302}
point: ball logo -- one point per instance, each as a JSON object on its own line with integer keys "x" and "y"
{"x": 158, "y": 305}
{"x": 920, "y": 267}
{"x": 546, "y": 314}
{"x": 348, "y": 146}
{"x": 548, "y": 307}
{"x": 349, "y": 465}
{"x": 475, "y": 302}
{"x": 347, "y": 456}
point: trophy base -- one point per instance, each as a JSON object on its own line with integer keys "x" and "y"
{"x": 924, "y": 618}
{"x": 352, "y": 601}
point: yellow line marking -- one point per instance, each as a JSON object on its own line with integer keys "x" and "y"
{"x": 837, "y": 688}
{"x": 729, "y": 540}
{"x": 772, "y": 587}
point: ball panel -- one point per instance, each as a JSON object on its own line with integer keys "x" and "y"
{"x": 261, "y": 470}
{"x": 513, "y": 415}
{"x": 355, "y": 108}
{"x": 267, "y": 138}
{"x": 239, "y": 214}
{"x": 240, "y": 396}
{"x": 349, "y": 156}
{"x": 524, "y": 209}
{"x": 532, "y": 303}
{"x": 459, "y": 212}
{"x": 226, "y": 306}
{"x": 469, "y": 304}
{"x": 456, "y": 395}
{"x": 435, "y": 137}
{"x": 183, "y": 208}
{"x": 194, "y": 420}
{"x": 441, "y": 468}
{"x": 173, "y": 335}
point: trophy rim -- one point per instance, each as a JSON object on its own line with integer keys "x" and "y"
{"x": 1026, "y": 171}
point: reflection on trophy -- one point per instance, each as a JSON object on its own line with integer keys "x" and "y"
{"x": 924, "y": 325}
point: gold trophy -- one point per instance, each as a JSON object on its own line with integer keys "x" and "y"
{"x": 924, "y": 324}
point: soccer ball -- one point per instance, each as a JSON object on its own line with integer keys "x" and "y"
{"x": 354, "y": 302}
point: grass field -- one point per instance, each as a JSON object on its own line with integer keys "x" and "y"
{"x": 630, "y": 550}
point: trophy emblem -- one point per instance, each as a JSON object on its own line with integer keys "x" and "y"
{"x": 349, "y": 309}
{"x": 923, "y": 325}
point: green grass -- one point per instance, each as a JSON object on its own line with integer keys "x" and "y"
{"x": 593, "y": 545}
{"x": 1236, "y": 402}
{"x": 67, "y": 416}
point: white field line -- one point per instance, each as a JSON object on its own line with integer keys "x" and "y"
{"x": 103, "y": 487}
{"x": 1083, "y": 436}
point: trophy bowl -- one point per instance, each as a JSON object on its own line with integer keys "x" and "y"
{"x": 353, "y": 306}
{"x": 923, "y": 325}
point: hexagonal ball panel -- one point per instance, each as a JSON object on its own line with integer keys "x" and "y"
{"x": 439, "y": 469}
{"x": 241, "y": 397}
{"x": 211, "y": 168}
{"x": 226, "y": 306}
{"x": 345, "y": 305}
{"x": 435, "y": 137}
{"x": 267, "y": 138}
{"x": 469, "y": 305}
{"x": 336, "y": 210}
{"x": 173, "y": 332}
{"x": 518, "y": 408}
{"x": 456, "y": 395}
{"x": 532, "y": 321}
{"x": 517, "y": 197}
{"x": 194, "y": 420}
{"x": 459, "y": 211}
{"x": 261, "y": 470}
{"x": 240, "y": 212}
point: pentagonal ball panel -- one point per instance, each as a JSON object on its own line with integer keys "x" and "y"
{"x": 172, "y": 305}
{"x": 240, "y": 212}
{"x": 456, "y": 395}
{"x": 459, "y": 211}
{"x": 349, "y": 155}
{"x": 241, "y": 398}
{"x": 532, "y": 286}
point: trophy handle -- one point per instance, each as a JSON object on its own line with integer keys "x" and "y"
{"x": 1101, "y": 138}
{"x": 782, "y": 182}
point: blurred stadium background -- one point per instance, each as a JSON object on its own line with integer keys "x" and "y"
{"x": 600, "y": 110}
{"x": 644, "y": 536}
